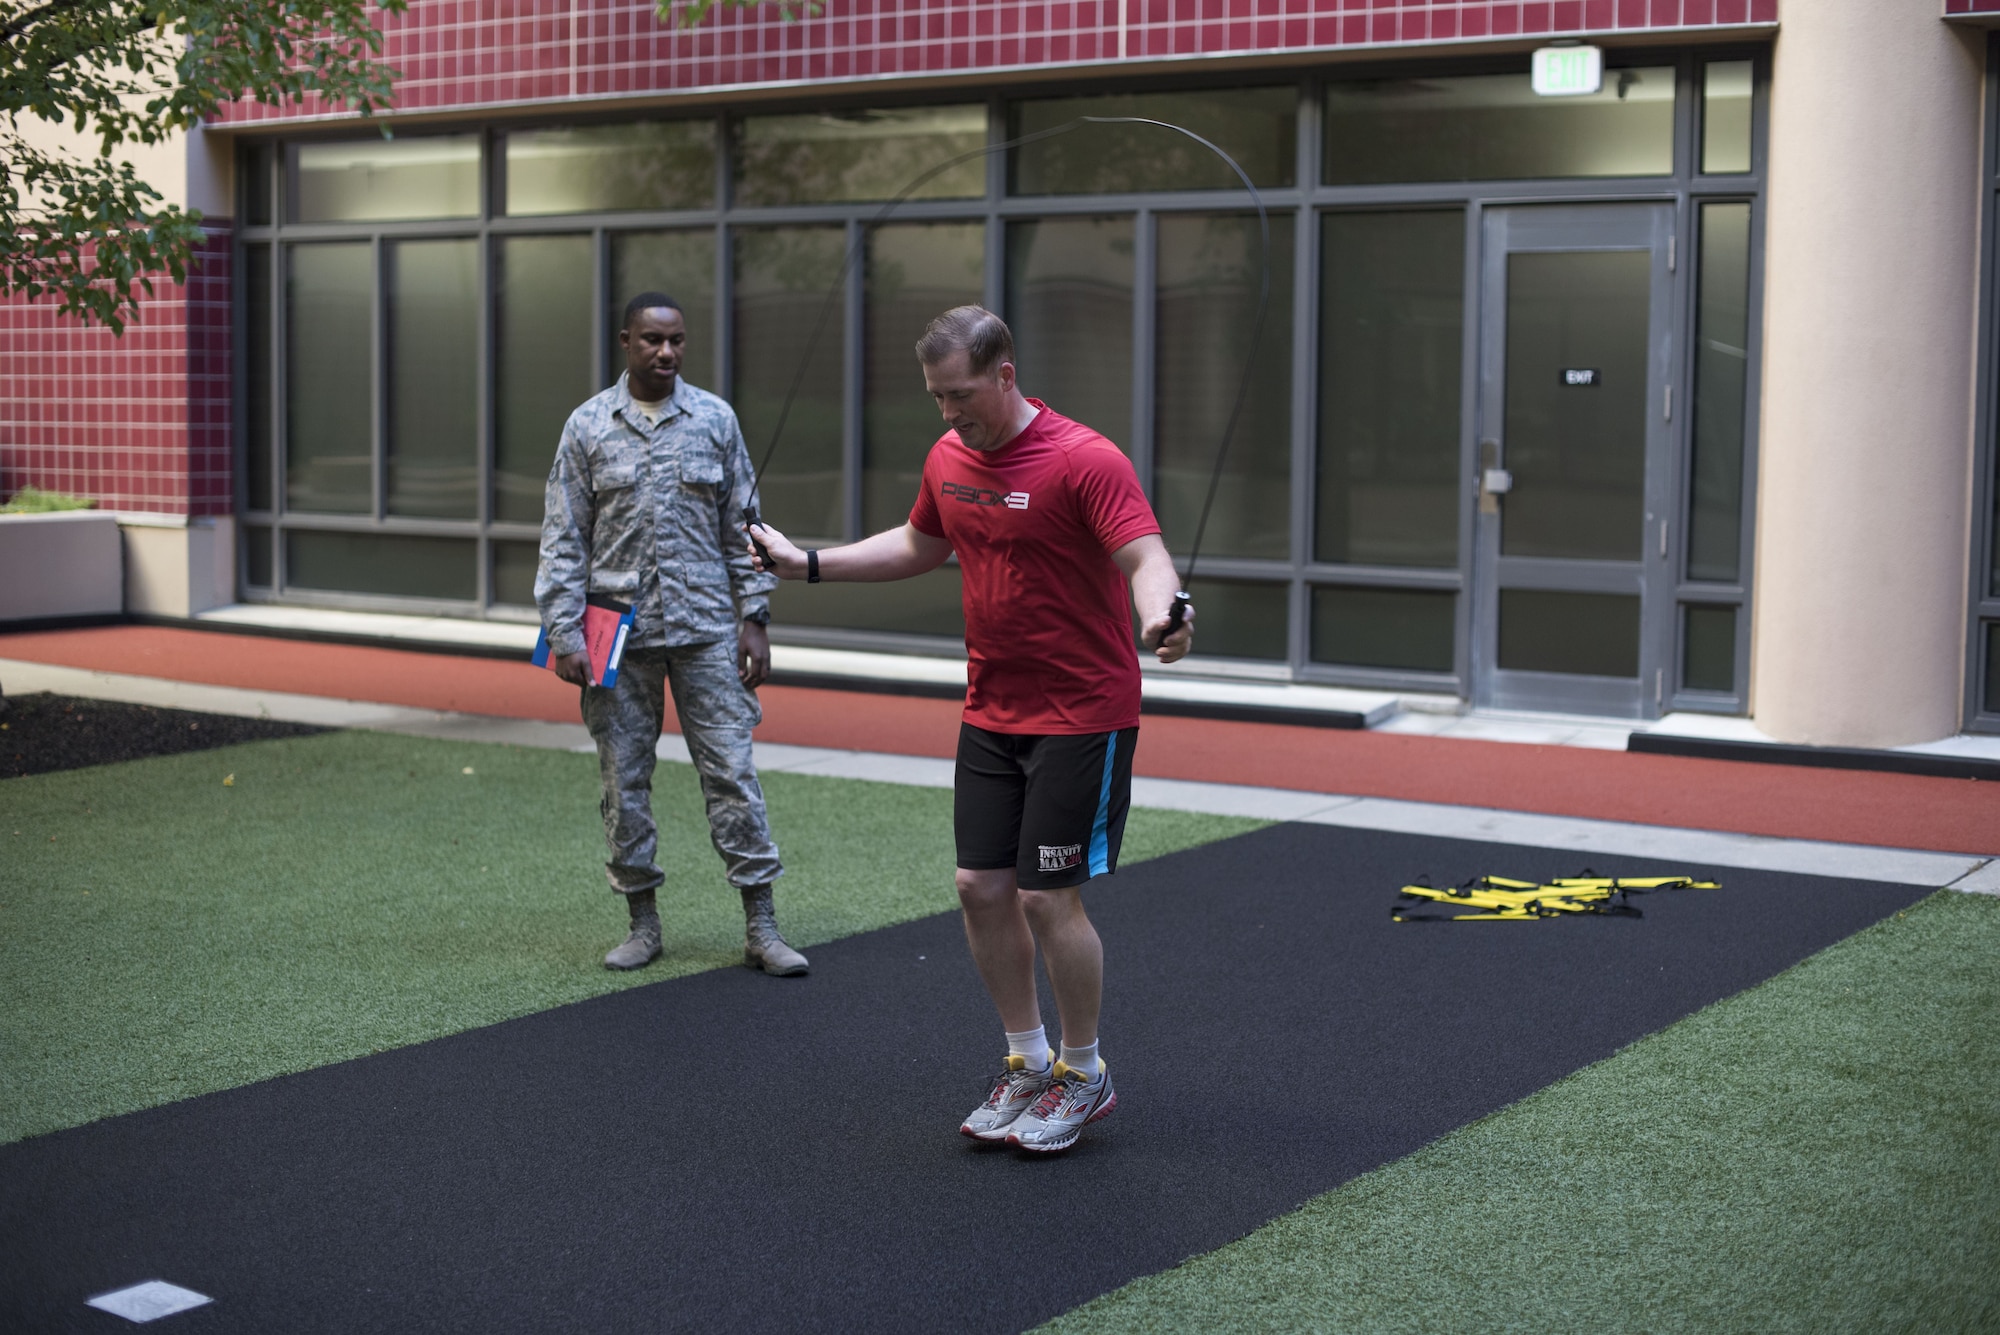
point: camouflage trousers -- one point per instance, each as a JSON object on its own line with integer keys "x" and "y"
{"x": 716, "y": 714}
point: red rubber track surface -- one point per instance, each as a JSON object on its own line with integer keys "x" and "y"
{"x": 1844, "y": 806}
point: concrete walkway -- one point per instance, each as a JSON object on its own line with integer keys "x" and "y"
{"x": 1570, "y": 835}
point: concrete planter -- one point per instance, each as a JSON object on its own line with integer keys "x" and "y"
{"x": 63, "y": 564}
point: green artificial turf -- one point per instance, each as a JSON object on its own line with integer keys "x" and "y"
{"x": 1821, "y": 1153}
{"x": 163, "y": 934}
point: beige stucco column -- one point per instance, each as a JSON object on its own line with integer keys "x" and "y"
{"x": 1871, "y": 261}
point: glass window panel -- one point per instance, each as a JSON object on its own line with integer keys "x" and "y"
{"x": 834, "y": 156}
{"x": 257, "y": 484}
{"x": 930, "y": 604}
{"x": 383, "y": 563}
{"x": 682, "y": 265}
{"x": 1485, "y": 127}
{"x": 1725, "y": 116}
{"x": 1993, "y": 535}
{"x": 1392, "y": 317}
{"x": 1992, "y": 693}
{"x": 1587, "y": 634}
{"x": 1708, "y": 649}
{"x": 514, "y": 566}
{"x": 785, "y": 330}
{"x": 329, "y": 378}
{"x": 256, "y": 162}
{"x": 1240, "y": 619}
{"x": 433, "y": 463}
{"x": 609, "y": 168}
{"x": 1256, "y": 126}
{"x": 542, "y": 349}
{"x": 1577, "y": 452}
{"x": 380, "y": 180}
{"x": 915, "y": 271}
{"x": 257, "y": 568}
{"x": 1209, "y": 269}
{"x": 1721, "y": 388}
{"x": 1069, "y": 303}
{"x": 1413, "y": 629}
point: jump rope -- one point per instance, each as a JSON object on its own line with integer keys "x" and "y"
{"x": 1177, "y": 612}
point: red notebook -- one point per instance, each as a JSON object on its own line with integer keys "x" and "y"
{"x": 606, "y": 624}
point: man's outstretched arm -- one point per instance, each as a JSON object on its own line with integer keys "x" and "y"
{"x": 1146, "y": 565}
{"x": 896, "y": 553}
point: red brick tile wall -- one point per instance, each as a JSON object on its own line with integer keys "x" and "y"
{"x": 468, "y": 53}
{"x": 136, "y": 423}
{"x": 1971, "y": 7}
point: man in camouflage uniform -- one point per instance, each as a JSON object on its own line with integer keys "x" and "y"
{"x": 643, "y": 505}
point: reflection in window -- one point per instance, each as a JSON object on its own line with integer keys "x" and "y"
{"x": 433, "y": 463}
{"x": 1577, "y": 452}
{"x": 385, "y": 563}
{"x": 1413, "y": 629}
{"x": 256, "y": 167}
{"x": 915, "y": 271}
{"x": 1256, "y": 126}
{"x": 786, "y": 328}
{"x": 380, "y": 180}
{"x": 682, "y": 265}
{"x": 1725, "y": 116}
{"x": 930, "y": 604}
{"x": 836, "y": 156}
{"x": 1992, "y": 693}
{"x": 257, "y": 482}
{"x": 329, "y": 379}
{"x": 608, "y": 168}
{"x": 1239, "y": 619}
{"x": 257, "y": 567}
{"x": 514, "y": 565}
{"x": 1485, "y": 127}
{"x": 542, "y": 352}
{"x": 1587, "y": 634}
{"x": 1209, "y": 267}
{"x": 1392, "y": 319}
{"x": 1708, "y": 648}
{"x": 1721, "y": 387}
{"x": 1069, "y": 303}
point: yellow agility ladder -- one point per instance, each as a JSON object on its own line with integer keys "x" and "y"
{"x": 1498, "y": 899}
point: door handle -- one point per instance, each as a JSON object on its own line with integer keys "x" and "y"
{"x": 1496, "y": 482}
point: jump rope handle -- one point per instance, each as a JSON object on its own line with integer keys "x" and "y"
{"x": 1177, "y": 613}
{"x": 750, "y": 516}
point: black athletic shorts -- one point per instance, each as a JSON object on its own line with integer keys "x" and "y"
{"x": 1051, "y": 807}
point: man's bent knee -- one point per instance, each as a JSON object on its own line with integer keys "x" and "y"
{"x": 981, "y": 889}
{"x": 1049, "y": 907}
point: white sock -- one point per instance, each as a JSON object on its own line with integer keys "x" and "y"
{"x": 1081, "y": 1059}
{"x": 1032, "y": 1045}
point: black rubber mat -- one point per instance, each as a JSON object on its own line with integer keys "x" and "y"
{"x": 733, "y": 1152}
{"x": 43, "y": 733}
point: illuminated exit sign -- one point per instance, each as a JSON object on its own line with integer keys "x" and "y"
{"x": 1568, "y": 71}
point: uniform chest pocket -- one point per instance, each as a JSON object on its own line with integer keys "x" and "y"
{"x": 614, "y": 477}
{"x": 701, "y": 470}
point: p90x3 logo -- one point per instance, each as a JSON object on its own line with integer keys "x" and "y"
{"x": 971, "y": 495}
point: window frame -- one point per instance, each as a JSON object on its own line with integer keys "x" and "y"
{"x": 1307, "y": 200}
{"x": 1983, "y": 599}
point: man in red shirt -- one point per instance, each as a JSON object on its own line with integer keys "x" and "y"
{"x": 1050, "y": 527}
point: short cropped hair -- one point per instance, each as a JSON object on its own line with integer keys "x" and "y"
{"x": 983, "y": 336}
{"x": 647, "y": 301}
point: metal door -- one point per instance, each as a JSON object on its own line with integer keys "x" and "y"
{"x": 1572, "y": 590}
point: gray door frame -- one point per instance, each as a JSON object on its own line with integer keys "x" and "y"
{"x": 1514, "y": 229}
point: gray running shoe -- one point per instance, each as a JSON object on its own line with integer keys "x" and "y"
{"x": 639, "y": 949}
{"x": 1068, "y": 1105}
{"x": 1015, "y": 1090}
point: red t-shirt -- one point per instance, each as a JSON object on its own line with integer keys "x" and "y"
{"x": 1047, "y": 625}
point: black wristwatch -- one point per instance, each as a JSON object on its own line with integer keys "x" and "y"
{"x": 812, "y": 567}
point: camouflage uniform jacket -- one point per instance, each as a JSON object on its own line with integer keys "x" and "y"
{"x": 650, "y": 517}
